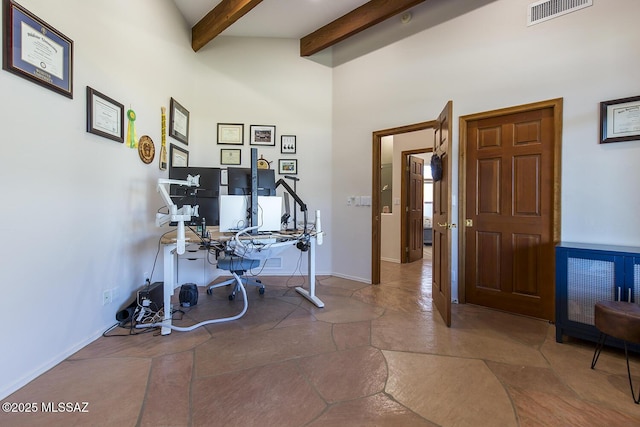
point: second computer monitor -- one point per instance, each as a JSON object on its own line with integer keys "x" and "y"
{"x": 239, "y": 181}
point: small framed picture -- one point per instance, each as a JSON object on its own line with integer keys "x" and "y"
{"x": 288, "y": 144}
{"x": 288, "y": 167}
{"x": 230, "y": 156}
{"x": 178, "y": 157}
{"x": 620, "y": 120}
{"x": 262, "y": 135}
{"x": 104, "y": 116}
{"x": 231, "y": 133}
{"x": 178, "y": 122}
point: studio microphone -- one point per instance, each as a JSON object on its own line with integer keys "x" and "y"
{"x": 292, "y": 178}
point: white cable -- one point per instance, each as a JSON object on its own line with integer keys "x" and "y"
{"x": 240, "y": 243}
{"x": 206, "y": 322}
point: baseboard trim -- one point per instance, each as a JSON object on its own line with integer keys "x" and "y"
{"x": 53, "y": 362}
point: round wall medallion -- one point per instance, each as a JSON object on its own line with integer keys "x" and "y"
{"x": 146, "y": 149}
{"x": 263, "y": 163}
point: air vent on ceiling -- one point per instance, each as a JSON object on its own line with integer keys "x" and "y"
{"x": 544, "y": 10}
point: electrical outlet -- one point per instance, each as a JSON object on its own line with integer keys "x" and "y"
{"x": 106, "y": 297}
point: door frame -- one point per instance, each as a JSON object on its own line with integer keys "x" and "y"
{"x": 555, "y": 104}
{"x": 404, "y": 201}
{"x": 376, "y": 208}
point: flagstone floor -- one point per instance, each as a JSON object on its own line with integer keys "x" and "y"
{"x": 373, "y": 356}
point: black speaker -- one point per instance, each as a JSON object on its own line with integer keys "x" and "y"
{"x": 188, "y": 295}
{"x": 125, "y": 315}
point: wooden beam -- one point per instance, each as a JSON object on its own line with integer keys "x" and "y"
{"x": 359, "y": 19}
{"x": 219, "y": 19}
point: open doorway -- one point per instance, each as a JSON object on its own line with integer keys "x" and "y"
{"x": 406, "y": 195}
{"x": 442, "y": 220}
{"x": 389, "y": 204}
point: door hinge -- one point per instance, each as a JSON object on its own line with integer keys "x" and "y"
{"x": 468, "y": 223}
{"x": 406, "y": 249}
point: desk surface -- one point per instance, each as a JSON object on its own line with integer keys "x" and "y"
{"x": 216, "y": 235}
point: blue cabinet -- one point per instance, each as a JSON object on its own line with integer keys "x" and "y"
{"x": 586, "y": 274}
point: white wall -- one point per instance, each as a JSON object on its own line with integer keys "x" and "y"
{"x": 78, "y": 209}
{"x": 488, "y": 59}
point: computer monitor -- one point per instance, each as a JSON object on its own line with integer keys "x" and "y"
{"x": 239, "y": 182}
{"x": 205, "y": 196}
{"x": 234, "y": 213}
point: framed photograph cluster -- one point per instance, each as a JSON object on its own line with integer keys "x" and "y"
{"x": 105, "y": 116}
{"x": 178, "y": 122}
{"x": 620, "y": 120}
{"x": 36, "y": 51}
{"x": 260, "y": 135}
{"x": 288, "y": 146}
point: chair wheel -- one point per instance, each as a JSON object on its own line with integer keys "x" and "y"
{"x": 232, "y": 297}
{"x": 209, "y": 291}
{"x": 261, "y": 290}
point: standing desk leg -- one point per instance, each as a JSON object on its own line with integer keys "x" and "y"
{"x": 170, "y": 260}
{"x": 311, "y": 293}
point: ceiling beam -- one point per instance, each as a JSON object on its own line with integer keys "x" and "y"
{"x": 219, "y": 19}
{"x": 359, "y": 19}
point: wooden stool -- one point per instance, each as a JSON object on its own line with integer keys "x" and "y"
{"x": 620, "y": 320}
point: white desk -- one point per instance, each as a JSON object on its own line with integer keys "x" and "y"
{"x": 170, "y": 258}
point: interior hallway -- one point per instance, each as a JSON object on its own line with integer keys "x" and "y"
{"x": 375, "y": 355}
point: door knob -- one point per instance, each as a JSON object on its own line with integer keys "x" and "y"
{"x": 447, "y": 225}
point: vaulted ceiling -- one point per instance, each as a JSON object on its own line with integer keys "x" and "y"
{"x": 318, "y": 24}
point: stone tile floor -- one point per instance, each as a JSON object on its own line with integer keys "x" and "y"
{"x": 374, "y": 356}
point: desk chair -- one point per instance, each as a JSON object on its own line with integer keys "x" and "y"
{"x": 238, "y": 266}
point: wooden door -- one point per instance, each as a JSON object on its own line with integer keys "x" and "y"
{"x": 441, "y": 285}
{"x": 509, "y": 245}
{"x": 415, "y": 206}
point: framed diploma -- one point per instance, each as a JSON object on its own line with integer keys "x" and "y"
{"x": 178, "y": 122}
{"x": 230, "y": 156}
{"x": 104, "y": 116}
{"x": 178, "y": 157}
{"x": 620, "y": 120}
{"x": 34, "y": 50}
{"x": 230, "y": 133}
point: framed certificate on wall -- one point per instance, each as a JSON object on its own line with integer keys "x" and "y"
{"x": 230, "y": 156}
{"x": 36, "y": 51}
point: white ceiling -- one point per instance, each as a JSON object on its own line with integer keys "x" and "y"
{"x": 274, "y": 18}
